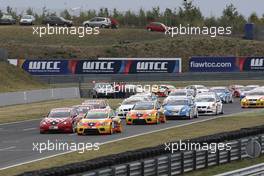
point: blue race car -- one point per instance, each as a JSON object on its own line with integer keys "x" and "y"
{"x": 180, "y": 107}
{"x": 224, "y": 94}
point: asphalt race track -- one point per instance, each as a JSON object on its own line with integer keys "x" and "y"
{"x": 16, "y": 145}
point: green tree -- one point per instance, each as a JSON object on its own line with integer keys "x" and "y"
{"x": 253, "y": 18}
{"x": 65, "y": 14}
{"x": 1, "y": 13}
{"x": 29, "y": 11}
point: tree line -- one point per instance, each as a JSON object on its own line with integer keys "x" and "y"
{"x": 185, "y": 14}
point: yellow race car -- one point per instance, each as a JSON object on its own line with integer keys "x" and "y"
{"x": 253, "y": 99}
{"x": 99, "y": 121}
{"x": 146, "y": 112}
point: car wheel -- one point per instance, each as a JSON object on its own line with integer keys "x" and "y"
{"x": 222, "y": 111}
{"x": 65, "y": 25}
{"x": 149, "y": 29}
{"x": 120, "y": 129}
{"x": 86, "y": 25}
{"x": 111, "y": 129}
{"x": 103, "y": 26}
{"x": 79, "y": 134}
{"x": 216, "y": 111}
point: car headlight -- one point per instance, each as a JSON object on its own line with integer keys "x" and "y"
{"x": 244, "y": 100}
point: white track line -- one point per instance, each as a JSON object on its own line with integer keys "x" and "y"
{"x": 116, "y": 140}
{"x": 29, "y": 129}
{"x": 10, "y": 123}
{"x": 7, "y": 148}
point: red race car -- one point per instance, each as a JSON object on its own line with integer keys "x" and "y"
{"x": 156, "y": 26}
{"x": 60, "y": 120}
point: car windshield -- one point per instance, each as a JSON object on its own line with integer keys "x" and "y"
{"x": 177, "y": 93}
{"x": 177, "y": 102}
{"x": 26, "y": 17}
{"x": 205, "y": 99}
{"x": 96, "y": 115}
{"x": 144, "y": 106}
{"x": 219, "y": 90}
{"x": 103, "y": 86}
{"x": 256, "y": 93}
{"x": 83, "y": 110}
{"x": 200, "y": 87}
{"x": 59, "y": 114}
{"x": 130, "y": 101}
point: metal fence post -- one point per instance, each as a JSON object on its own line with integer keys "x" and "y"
{"x": 182, "y": 162}
{"x": 194, "y": 159}
{"x": 239, "y": 149}
{"x": 128, "y": 169}
{"x": 113, "y": 171}
{"x": 206, "y": 159}
{"x": 228, "y": 156}
{"x": 142, "y": 168}
{"x": 217, "y": 157}
{"x": 156, "y": 167}
{"x": 169, "y": 165}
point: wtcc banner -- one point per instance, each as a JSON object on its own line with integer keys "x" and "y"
{"x": 101, "y": 66}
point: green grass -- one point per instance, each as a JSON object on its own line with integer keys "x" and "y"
{"x": 228, "y": 123}
{"x": 15, "y": 79}
{"x": 122, "y": 43}
{"x": 38, "y": 110}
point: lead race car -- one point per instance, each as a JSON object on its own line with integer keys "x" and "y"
{"x": 99, "y": 121}
{"x": 59, "y": 120}
{"x": 146, "y": 112}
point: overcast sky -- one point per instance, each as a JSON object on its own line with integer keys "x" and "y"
{"x": 208, "y": 7}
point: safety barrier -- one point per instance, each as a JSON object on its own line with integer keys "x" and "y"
{"x": 158, "y": 161}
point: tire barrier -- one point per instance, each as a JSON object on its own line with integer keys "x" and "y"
{"x": 140, "y": 154}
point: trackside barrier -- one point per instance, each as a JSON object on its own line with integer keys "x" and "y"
{"x": 252, "y": 170}
{"x": 22, "y": 97}
{"x": 158, "y": 161}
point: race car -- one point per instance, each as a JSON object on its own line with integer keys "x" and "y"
{"x": 236, "y": 90}
{"x": 247, "y": 90}
{"x": 224, "y": 94}
{"x": 197, "y": 89}
{"x": 59, "y": 120}
{"x": 162, "y": 90}
{"x": 97, "y": 104}
{"x": 181, "y": 93}
{"x": 99, "y": 121}
{"x": 82, "y": 110}
{"x": 180, "y": 107}
{"x": 209, "y": 104}
{"x": 146, "y": 112}
{"x": 127, "y": 105}
{"x": 254, "y": 99}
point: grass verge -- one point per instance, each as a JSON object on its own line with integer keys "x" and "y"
{"x": 15, "y": 79}
{"x": 227, "y": 123}
{"x": 38, "y": 110}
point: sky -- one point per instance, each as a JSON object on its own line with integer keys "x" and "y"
{"x": 208, "y": 7}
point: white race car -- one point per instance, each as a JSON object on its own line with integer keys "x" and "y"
{"x": 209, "y": 104}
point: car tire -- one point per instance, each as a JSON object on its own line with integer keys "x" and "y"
{"x": 149, "y": 29}
{"x": 111, "y": 129}
{"x": 86, "y": 25}
{"x": 103, "y": 26}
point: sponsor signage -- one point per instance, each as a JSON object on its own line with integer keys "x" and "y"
{"x": 214, "y": 64}
{"x": 43, "y": 67}
{"x": 102, "y": 66}
{"x": 253, "y": 64}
